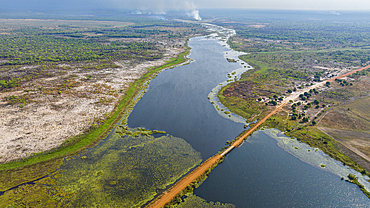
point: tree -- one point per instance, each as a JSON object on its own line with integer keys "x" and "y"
{"x": 313, "y": 123}
{"x": 305, "y": 119}
{"x": 273, "y": 102}
{"x": 327, "y": 84}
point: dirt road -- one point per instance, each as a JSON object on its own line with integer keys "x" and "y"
{"x": 181, "y": 185}
{"x": 347, "y": 74}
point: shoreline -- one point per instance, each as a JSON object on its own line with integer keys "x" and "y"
{"x": 88, "y": 139}
{"x": 294, "y": 96}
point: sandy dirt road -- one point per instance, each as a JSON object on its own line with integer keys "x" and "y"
{"x": 182, "y": 184}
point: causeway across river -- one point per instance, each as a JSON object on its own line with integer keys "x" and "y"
{"x": 196, "y": 173}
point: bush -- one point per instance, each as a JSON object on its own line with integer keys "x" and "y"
{"x": 273, "y": 102}
{"x": 352, "y": 177}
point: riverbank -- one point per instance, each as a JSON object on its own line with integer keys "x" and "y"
{"x": 176, "y": 191}
{"x": 95, "y": 134}
{"x": 305, "y": 131}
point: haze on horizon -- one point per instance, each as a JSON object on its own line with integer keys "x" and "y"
{"x": 166, "y": 5}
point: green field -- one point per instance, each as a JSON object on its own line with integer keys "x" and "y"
{"x": 137, "y": 167}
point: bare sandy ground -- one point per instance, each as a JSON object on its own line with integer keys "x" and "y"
{"x": 49, "y": 120}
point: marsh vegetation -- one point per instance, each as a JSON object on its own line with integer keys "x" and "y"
{"x": 285, "y": 60}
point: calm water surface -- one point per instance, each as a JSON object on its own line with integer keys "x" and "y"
{"x": 259, "y": 173}
{"x": 177, "y": 102}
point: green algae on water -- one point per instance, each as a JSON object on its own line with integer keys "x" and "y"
{"x": 127, "y": 171}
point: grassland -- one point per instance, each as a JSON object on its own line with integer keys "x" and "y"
{"x": 303, "y": 131}
{"x": 64, "y": 191}
{"x": 63, "y": 78}
{"x": 90, "y": 138}
{"x": 285, "y": 60}
{"x": 137, "y": 167}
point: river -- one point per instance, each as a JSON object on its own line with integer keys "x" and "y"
{"x": 260, "y": 173}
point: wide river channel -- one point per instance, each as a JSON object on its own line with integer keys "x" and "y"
{"x": 263, "y": 172}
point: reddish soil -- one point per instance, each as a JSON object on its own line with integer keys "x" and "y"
{"x": 181, "y": 185}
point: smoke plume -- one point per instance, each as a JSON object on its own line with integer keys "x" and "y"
{"x": 194, "y": 14}
{"x": 143, "y": 6}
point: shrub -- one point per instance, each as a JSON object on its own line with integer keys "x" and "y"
{"x": 352, "y": 177}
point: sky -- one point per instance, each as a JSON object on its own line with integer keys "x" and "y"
{"x": 165, "y": 5}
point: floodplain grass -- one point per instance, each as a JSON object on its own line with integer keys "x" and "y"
{"x": 95, "y": 134}
{"x": 135, "y": 166}
{"x": 192, "y": 200}
{"x": 303, "y": 132}
{"x": 177, "y": 199}
{"x": 239, "y": 106}
{"x": 18, "y": 174}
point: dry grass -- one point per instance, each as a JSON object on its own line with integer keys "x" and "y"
{"x": 354, "y": 116}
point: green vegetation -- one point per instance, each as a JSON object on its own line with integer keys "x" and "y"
{"x": 42, "y": 165}
{"x": 316, "y": 138}
{"x": 192, "y": 200}
{"x": 106, "y": 172}
{"x": 344, "y": 41}
{"x": 231, "y": 60}
{"x": 41, "y": 192}
{"x": 189, "y": 189}
{"x": 286, "y": 56}
{"x": 247, "y": 109}
{"x": 99, "y": 131}
{"x": 33, "y": 49}
{"x": 30, "y": 52}
{"x": 353, "y": 179}
{"x": 136, "y": 166}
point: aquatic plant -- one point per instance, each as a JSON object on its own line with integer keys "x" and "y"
{"x": 191, "y": 200}
{"x": 135, "y": 167}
